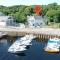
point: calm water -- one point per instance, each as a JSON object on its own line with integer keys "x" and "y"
{"x": 35, "y": 52}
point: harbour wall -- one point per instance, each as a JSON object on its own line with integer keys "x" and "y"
{"x": 39, "y": 37}
{"x": 42, "y": 34}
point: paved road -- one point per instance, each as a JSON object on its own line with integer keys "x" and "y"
{"x": 49, "y": 31}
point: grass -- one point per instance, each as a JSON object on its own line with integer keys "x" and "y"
{"x": 54, "y": 25}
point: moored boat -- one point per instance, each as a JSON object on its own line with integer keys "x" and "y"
{"x": 2, "y": 34}
{"x": 20, "y": 44}
{"x": 52, "y": 45}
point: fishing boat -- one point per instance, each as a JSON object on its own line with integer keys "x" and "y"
{"x": 52, "y": 45}
{"x": 20, "y": 44}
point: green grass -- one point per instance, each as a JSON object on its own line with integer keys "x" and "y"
{"x": 54, "y": 25}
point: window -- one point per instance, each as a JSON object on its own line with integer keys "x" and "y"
{"x": 9, "y": 17}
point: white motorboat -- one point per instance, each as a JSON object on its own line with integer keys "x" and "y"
{"x": 16, "y": 49}
{"x": 27, "y": 40}
{"x": 52, "y": 45}
{"x": 20, "y": 44}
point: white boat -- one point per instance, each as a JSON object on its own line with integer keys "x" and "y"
{"x": 2, "y": 34}
{"x": 27, "y": 40}
{"x": 52, "y": 45}
{"x": 20, "y": 44}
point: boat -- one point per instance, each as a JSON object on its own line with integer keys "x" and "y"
{"x": 27, "y": 40}
{"x": 20, "y": 44}
{"x": 2, "y": 34}
{"x": 52, "y": 45}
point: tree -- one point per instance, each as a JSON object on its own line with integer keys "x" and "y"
{"x": 20, "y": 12}
{"x": 37, "y": 9}
{"x": 54, "y": 15}
{"x": 50, "y": 14}
{"x": 44, "y": 9}
{"x": 52, "y": 6}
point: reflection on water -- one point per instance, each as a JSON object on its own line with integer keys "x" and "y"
{"x": 3, "y": 41}
{"x": 35, "y": 52}
{"x": 21, "y": 54}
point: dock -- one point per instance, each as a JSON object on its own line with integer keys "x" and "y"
{"x": 40, "y": 33}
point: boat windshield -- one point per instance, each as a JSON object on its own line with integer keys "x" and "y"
{"x": 52, "y": 41}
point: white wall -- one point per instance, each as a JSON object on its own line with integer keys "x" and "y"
{"x": 22, "y": 26}
{"x": 31, "y": 21}
{"x": 3, "y": 24}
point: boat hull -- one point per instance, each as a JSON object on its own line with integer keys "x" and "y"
{"x": 51, "y": 51}
{"x": 17, "y": 52}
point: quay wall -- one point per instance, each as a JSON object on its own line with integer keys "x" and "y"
{"x": 39, "y": 37}
{"x": 42, "y": 34}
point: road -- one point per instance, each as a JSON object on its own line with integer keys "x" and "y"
{"x": 49, "y": 31}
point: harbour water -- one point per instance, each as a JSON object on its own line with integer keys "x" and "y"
{"x": 35, "y": 52}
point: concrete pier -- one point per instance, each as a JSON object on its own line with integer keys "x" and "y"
{"x": 40, "y": 37}
{"x": 41, "y": 33}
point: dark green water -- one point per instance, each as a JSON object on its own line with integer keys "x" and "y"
{"x": 35, "y": 52}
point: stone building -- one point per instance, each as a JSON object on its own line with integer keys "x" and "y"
{"x": 35, "y": 21}
{"x": 6, "y": 20}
